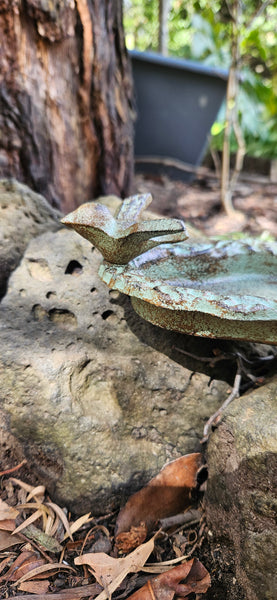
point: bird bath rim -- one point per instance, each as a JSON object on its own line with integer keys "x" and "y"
{"x": 134, "y": 279}
{"x": 215, "y": 288}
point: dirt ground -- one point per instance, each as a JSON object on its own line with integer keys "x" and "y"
{"x": 198, "y": 203}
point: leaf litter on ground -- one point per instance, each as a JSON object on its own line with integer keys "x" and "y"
{"x": 169, "y": 493}
{"x": 29, "y": 551}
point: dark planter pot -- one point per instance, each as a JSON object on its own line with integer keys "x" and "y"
{"x": 177, "y": 103}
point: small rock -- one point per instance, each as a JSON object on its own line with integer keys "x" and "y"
{"x": 103, "y": 544}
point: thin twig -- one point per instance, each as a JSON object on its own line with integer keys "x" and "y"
{"x": 258, "y": 14}
{"x": 234, "y": 394}
{"x": 176, "y": 163}
{"x": 188, "y": 518}
{"x": 216, "y": 161}
{"x": 13, "y": 469}
{"x": 211, "y": 360}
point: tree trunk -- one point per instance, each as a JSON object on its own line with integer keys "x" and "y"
{"x": 65, "y": 99}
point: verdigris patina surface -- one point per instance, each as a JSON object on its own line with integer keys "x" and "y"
{"x": 216, "y": 288}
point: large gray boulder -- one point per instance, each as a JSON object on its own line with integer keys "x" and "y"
{"x": 241, "y": 499}
{"x": 97, "y": 409}
{"x": 23, "y": 215}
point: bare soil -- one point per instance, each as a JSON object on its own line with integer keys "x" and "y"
{"x": 198, "y": 203}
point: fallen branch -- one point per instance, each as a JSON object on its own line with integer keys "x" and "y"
{"x": 69, "y": 594}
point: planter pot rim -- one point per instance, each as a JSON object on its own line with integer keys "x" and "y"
{"x": 179, "y": 63}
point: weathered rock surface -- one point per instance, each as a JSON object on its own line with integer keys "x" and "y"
{"x": 23, "y": 215}
{"x": 98, "y": 411}
{"x": 241, "y": 501}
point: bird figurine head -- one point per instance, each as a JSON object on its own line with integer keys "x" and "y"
{"x": 123, "y": 237}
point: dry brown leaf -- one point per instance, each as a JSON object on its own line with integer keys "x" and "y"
{"x": 110, "y": 572}
{"x": 78, "y": 523}
{"x": 37, "y": 492}
{"x": 49, "y": 523}
{"x": 5, "y": 562}
{"x": 34, "y": 517}
{"x": 58, "y": 510}
{"x": 40, "y": 571}
{"x": 127, "y": 541}
{"x": 7, "y": 525}
{"x": 24, "y": 563}
{"x": 7, "y": 512}
{"x": 193, "y": 574}
{"x": 35, "y": 587}
{"x": 22, "y": 484}
{"x": 7, "y": 540}
{"x": 166, "y": 494}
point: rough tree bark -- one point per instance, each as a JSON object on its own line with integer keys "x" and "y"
{"x": 65, "y": 98}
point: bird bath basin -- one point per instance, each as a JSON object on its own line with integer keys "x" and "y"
{"x": 219, "y": 289}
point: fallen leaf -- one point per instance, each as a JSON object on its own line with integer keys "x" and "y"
{"x": 49, "y": 543}
{"x": 166, "y": 494}
{"x": 195, "y": 579}
{"x": 25, "y": 486}
{"x": 37, "y": 491}
{"x": 127, "y": 541}
{"x": 78, "y": 523}
{"x": 6, "y": 511}
{"x": 35, "y": 587}
{"x": 24, "y": 563}
{"x": 7, "y": 540}
{"x": 109, "y": 571}
{"x": 34, "y": 517}
{"x": 42, "y": 570}
{"x": 62, "y": 517}
{"x": 5, "y": 562}
{"x": 7, "y": 525}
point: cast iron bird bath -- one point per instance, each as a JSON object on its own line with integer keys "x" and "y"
{"x": 215, "y": 288}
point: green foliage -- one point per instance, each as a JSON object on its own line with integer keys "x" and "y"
{"x": 201, "y": 30}
{"x": 141, "y": 24}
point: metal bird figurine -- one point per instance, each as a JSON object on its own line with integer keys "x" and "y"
{"x": 122, "y": 237}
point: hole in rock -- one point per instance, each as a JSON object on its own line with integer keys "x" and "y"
{"x": 73, "y": 268}
{"x": 3, "y": 288}
{"x": 38, "y": 312}
{"x": 106, "y": 314}
{"x": 93, "y": 290}
{"x": 50, "y": 295}
{"x": 62, "y": 318}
